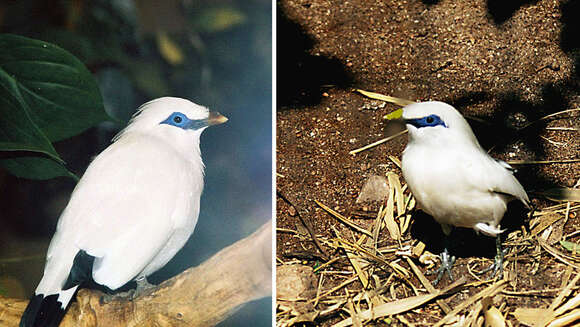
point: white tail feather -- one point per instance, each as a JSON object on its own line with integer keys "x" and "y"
{"x": 488, "y": 230}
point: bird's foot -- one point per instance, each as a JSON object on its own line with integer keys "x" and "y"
{"x": 447, "y": 262}
{"x": 142, "y": 287}
{"x": 497, "y": 265}
{"x": 122, "y": 296}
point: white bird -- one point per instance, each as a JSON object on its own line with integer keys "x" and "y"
{"x": 453, "y": 178}
{"x": 133, "y": 209}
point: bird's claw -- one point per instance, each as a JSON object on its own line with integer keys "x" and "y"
{"x": 447, "y": 262}
{"x": 142, "y": 287}
{"x": 122, "y": 296}
{"x": 129, "y": 295}
{"x": 496, "y": 266}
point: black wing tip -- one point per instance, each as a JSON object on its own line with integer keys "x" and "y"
{"x": 81, "y": 270}
{"x": 43, "y": 311}
{"x": 47, "y": 311}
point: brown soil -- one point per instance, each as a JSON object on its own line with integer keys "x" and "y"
{"x": 501, "y": 66}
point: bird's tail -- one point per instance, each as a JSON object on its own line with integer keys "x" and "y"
{"x": 47, "y": 310}
{"x": 488, "y": 230}
{"x": 48, "y": 306}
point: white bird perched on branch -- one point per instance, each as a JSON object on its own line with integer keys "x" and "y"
{"x": 453, "y": 178}
{"x": 134, "y": 208}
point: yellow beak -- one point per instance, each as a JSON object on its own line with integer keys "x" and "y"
{"x": 215, "y": 118}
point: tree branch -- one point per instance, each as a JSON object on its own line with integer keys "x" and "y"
{"x": 200, "y": 296}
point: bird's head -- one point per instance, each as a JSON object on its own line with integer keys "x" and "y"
{"x": 173, "y": 119}
{"x": 435, "y": 121}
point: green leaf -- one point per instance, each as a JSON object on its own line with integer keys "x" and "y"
{"x": 16, "y": 126}
{"x": 35, "y": 168}
{"x": 46, "y": 95}
{"x": 218, "y": 19}
{"x": 61, "y": 95}
{"x": 17, "y": 147}
{"x": 19, "y": 134}
{"x": 570, "y": 246}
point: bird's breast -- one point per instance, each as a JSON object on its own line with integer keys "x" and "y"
{"x": 445, "y": 186}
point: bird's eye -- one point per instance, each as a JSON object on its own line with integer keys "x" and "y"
{"x": 178, "y": 119}
{"x": 426, "y": 121}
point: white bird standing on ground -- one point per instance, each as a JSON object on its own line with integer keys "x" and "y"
{"x": 134, "y": 208}
{"x": 453, "y": 178}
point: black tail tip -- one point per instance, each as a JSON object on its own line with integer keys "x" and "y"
{"x": 42, "y": 311}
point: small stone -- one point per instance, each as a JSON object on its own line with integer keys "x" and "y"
{"x": 375, "y": 189}
{"x": 295, "y": 282}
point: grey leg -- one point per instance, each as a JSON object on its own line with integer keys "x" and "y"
{"x": 497, "y": 265}
{"x": 142, "y": 286}
{"x": 447, "y": 262}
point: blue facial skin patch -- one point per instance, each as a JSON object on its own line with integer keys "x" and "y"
{"x": 427, "y": 121}
{"x": 180, "y": 120}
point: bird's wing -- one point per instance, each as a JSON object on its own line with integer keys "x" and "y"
{"x": 481, "y": 172}
{"x": 502, "y": 180}
{"x": 121, "y": 211}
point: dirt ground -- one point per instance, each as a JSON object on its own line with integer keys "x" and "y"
{"x": 502, "y": 67}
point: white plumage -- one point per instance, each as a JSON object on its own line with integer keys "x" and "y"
{"x": 451, "y": 176}
{"x": 138, "y": 201}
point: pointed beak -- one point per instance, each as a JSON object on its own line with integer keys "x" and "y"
{"x": 215, "y": 118}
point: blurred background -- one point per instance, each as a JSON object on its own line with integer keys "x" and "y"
{"x": 214, "y": 52}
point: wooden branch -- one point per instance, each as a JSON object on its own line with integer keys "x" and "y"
{"x": 201, "y": 296}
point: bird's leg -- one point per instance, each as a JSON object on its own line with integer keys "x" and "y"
{"x": 498, "y": 260}
{"x": 447, "y": 261}
{"x": 142, "y": 286}
{"x": 122, "y": 296}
